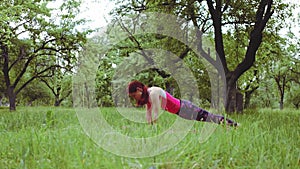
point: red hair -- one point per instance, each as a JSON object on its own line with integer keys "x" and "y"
{"x": 132, "y": 87}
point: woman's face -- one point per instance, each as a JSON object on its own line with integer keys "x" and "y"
{"x": 137, "y": 95}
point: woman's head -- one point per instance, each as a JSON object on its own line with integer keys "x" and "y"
{"x": 138, "y": 91}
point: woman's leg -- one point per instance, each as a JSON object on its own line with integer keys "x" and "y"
{"x": 209, "y": 117}
{"x": 190, "y": 111}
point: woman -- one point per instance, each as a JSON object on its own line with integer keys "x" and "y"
{"x": 156, "y": 97}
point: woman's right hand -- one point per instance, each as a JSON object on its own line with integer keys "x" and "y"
{"x": 149, "y": 119}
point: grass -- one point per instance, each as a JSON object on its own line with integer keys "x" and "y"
{"x": 45, "y": 137}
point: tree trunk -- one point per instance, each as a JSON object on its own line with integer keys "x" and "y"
{"x": 281, "y": 102}
{"x": 230, "y": 100}
{"x": 281, "y": 88}
{"x": 12, "y": 98}
{"x": 57, "y": 102}
{"x": 297, "y": 105}
{"x": 1, "y": 100}
{"x": 247, "y": 99}
{"x": 234, "y": 99}
{"x": 239, "y": 102}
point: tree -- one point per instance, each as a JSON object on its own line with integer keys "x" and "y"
{"x": 281, "y": 77}
{"x": 34, "y": 42}
{"x": 251, "y": 17}
{"x": 294, "y": 95}
{"x": 284, "y": 62}
{"x": 60, "y": 86}
{"x": 259, "y": 20}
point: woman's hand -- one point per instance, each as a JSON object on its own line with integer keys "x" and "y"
{"x": 150, "y": 121}
{"x": 149, "y": 118}
{"x": 154, "y": 121}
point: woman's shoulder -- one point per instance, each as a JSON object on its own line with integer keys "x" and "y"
{"x": 154, "y": 90}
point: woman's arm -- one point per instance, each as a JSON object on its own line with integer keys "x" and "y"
{"x": 149, "y": 113}
{"x": 155, "y": 103}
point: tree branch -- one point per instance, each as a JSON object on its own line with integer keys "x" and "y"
{"x": 49, "y": 86}
{"x": 23, "y": 70}
{"x": 22, "y": 54}
{"x": 64, "y": 97}
{"x": 36, "y": 76}
{"x": 134, "y": 40}
{"x": 216, "y": 14}
{"x": 262, "y": 16}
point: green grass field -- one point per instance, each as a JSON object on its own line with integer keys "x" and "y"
{"x": 45, "y": 137}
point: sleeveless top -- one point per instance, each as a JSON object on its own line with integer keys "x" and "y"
{"x": 167, "y": 101}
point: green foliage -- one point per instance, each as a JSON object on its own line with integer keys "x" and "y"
{"x": 103, "y": 81}
{"x": 35, "y": 42}
{"x": 294, "y": 95}
{"x": 265, "y": 96}
{"x": 45, "y": 42}
{"x": 60, "y": 86}
{"x": 237, "y": 20}
{"x": 133, "y": 58}
{"x": 35, "y": 94}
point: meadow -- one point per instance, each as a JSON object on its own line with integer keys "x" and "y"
{"x": 47, "y": 137}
